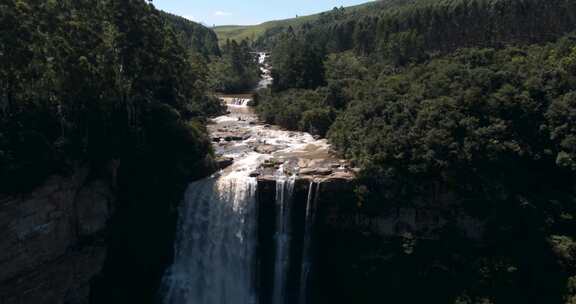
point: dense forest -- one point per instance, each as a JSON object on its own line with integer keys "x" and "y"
{"x": 476, "y": 98}
{"x": 236, "y": 70}
{"x": 194, "y": 36}
{"x": 84, "y": 84}
{"x": 444, "y": 25}
{"x": 232, "y": 68}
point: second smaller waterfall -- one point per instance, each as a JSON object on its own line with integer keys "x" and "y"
{"x": 284, "y": 190}
{"x": 311, "y": 203}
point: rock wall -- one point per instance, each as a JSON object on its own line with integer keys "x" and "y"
{"x": 424, "y": 218}
{"x": 52, "y": 241}
{"x": 349, "y": 239}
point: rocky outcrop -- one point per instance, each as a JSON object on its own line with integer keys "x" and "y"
{"x": 52, "y": 241}
{"x": 424, "y": 218}
{"x": 224, "y": 162}
{"x": 346, "y": 233}
{"x": 322, "y": 193}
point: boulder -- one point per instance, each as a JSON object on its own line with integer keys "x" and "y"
{"x": 316, "y": 171}
{"x": 272, "y": 163}
{"x": 266, "y": 149}
{"x": 324, "y": 171}
{"x": 224, "y": 162}
{"x": 232, "y": 138}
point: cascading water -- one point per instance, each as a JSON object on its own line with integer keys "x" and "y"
{"x": 284, "y": 190}
{"x": 216, "y": 256}
{"x": 241, "y": 101}
{"x": 267, "y": 79}
{"x": 311, "y": 203}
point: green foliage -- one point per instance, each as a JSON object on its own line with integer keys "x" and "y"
{"x": 236, "y": 70}
{"x": 297, "y": 64}
{"x": 255, "y": 33}
{"x": 562, "y": 117}
{"x": 313, "y": 111}
{"x": 194, "y": 36}
{"x": 303, "y": 110}
{"x": 404, "y": 47}
{"x": 77, "y": 79}
{"x": 394, "y": 27}
{"x": 344, "y": 67}
{"x": 494, "y": 127}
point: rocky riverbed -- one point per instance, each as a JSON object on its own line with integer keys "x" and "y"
{"x": 239, "y": 135}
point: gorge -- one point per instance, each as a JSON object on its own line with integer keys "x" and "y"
{"x": 390, "y": 152}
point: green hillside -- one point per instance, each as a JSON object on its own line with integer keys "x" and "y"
{"x": 253, "y": 32}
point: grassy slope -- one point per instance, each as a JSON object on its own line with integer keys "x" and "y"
{"x": 252, "y": 32}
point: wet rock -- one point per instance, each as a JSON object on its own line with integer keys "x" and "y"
{"x": 303, "y": 163}
{"x": 316, "y": 171}
{"x": 254, "y": 174}
{"x": 224, "y": 162}
{"x": 216, "y": 139}
{"x": 272, "y": 163}
{"x": 324, "y": 171}
{"x": 232, "y": 138}
{"x": 266, "y": 149}
{"x": 343, "y": 175}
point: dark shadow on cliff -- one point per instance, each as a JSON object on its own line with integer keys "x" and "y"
{"x": 151, "y": 184}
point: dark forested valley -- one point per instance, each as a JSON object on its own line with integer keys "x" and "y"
{"x": 460, "y": 112}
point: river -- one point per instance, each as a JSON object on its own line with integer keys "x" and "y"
{"x": 215, "y": 260}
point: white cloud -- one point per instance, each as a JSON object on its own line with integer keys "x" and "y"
{"x": 222, "y": 14}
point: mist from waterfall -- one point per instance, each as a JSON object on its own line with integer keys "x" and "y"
{"x": 215, "y": 252}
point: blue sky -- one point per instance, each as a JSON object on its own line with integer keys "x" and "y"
{"x": 244, "y": 12}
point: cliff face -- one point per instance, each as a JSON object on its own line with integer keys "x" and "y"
{"x": 351, "y": 245}
{"x": 52, "y": 243}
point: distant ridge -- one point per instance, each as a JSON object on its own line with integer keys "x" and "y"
{"x": 253, "y": 32}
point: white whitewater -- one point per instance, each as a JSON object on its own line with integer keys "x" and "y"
{"x": 265, "y": 68}
{"x": 214, "y": 260}
{"x": 215, "y": 250}
{"x": 306, "y": 267}
{"x": 241, "y": 101}
{"x": 284, "y": 190}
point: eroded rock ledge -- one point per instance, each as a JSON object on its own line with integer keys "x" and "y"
{"x": 52, "y": 241}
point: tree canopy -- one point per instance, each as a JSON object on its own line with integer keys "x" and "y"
{"x": 79, "y": 82}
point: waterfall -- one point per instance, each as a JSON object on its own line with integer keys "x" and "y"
{"x": 311, "y": 204}
{"x": 265, "y": 68}
{"x": 237, "y": 101}
{"x": 284, "y": 190}
{"x": 216, "y": 243}
{"x": 221, "y": 256}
